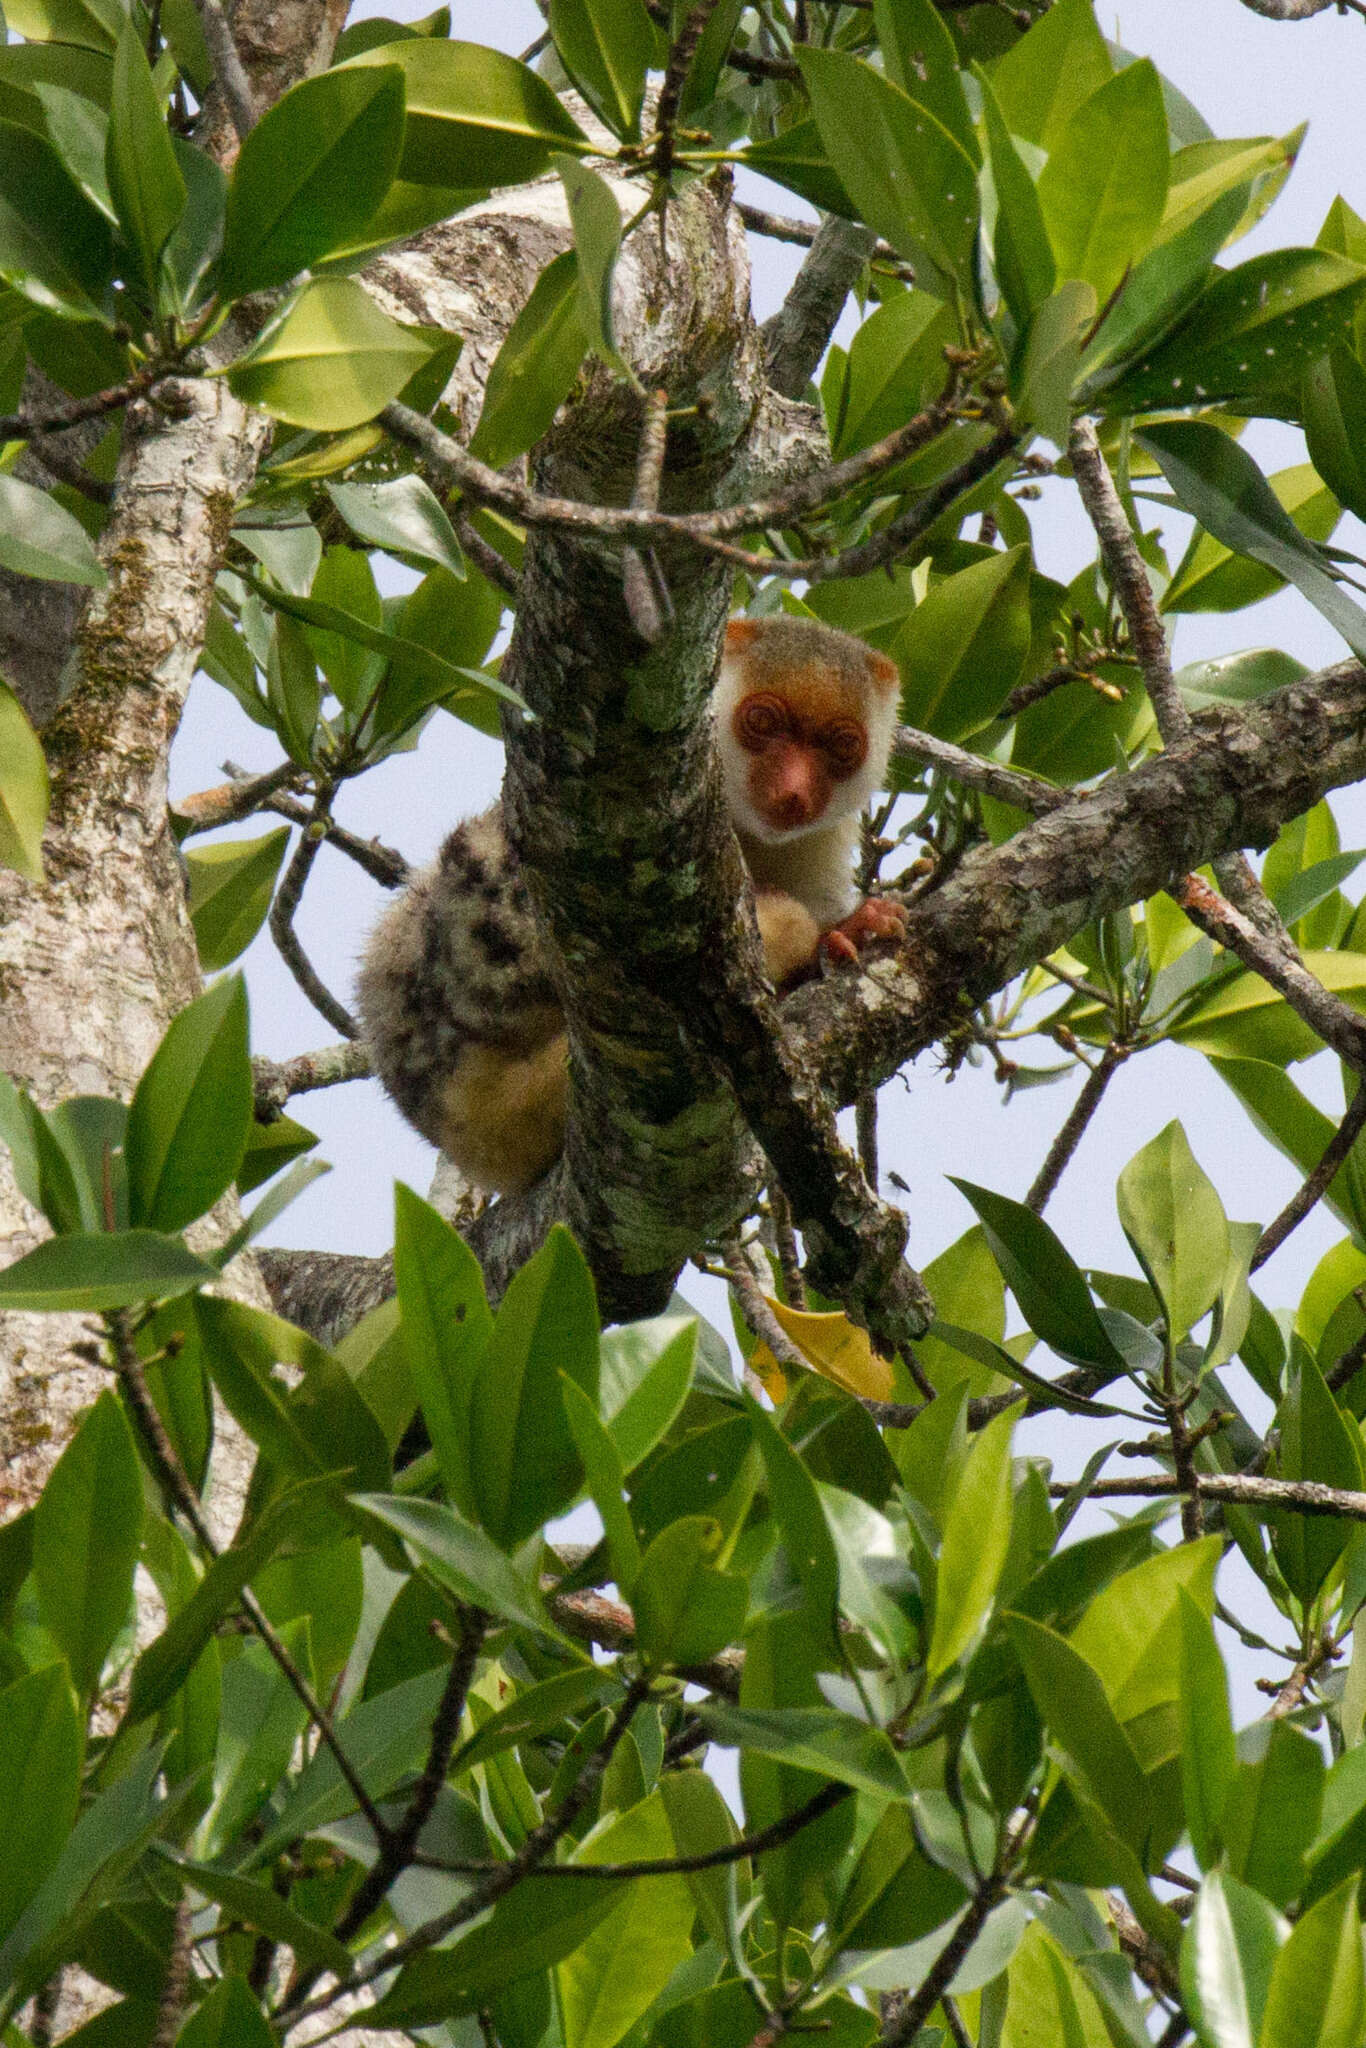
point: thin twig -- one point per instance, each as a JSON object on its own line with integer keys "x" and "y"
{"x": 785, "y": 1238}
{"x": 592, "y": 1618}
{"x": 383, "y": 864}
{"x": 25, "y": 426}
{"x": 1336, "y": 1024}
{"x": 917, "y": 2009}
{"x": 176, "y": 1983}
{"x": 676, "y": 70}
{"x": 485, "y": 558}
{"x": 1305, "y": 1496}
{"x": 229, "y": 75}
{"x": 240, "y": 797}
{"x": 1129, "y": 577}
{"x": 1010, "y": 785}
{"x": 756, "y": 1311}
{"x": 1316, "y": 1185}
{"x": 282, "y": 920}
{"x": 780, "y": 227}
{"x": 1074, "y": 1129}
{"x": 274, "y": 1081}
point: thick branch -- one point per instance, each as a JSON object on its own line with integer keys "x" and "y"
{"x": 796, "y": 337}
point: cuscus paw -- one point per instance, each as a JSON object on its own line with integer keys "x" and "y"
{"x": 877, "y": 917}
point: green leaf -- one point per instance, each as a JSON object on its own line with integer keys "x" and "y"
{"x": 534, "y": 1712}
{"x": 1104, "y": 187}
{"x": 1053, "y": 1296}
{"x": 1226, "y": 1961}
{"x": 446, "y": 1328}
{"x": 523, "y": 1460}
{"x": 1045, "y": 76}
{"x": 319, "y": 1424}
{"x": 1254, "y": 329}
{"x": 615, "y": 1973}
{"x": 1219, "y": 483}
{"x": 55, "y": 247}
{"x": 595, "y": 218}
{"x": 1208, "y": 1753}
{"x": 1050, "y": 1998}
{"x": 258, "y": 1905}
{"x": 798, "y": 159}
{"x": 1272, "y": 1812}
{"x": 329, "y": 359}
{"x": 647, "y": 1370}
{"x": 815, "y": 1739}
{"x": 23, "y": 782}
{"x": 1048, "y": 365}
{"x": 1069, "y": 1695}
{"x": 191, "y": 1111}
{"x": 1317, "y": 1442}
{"x": 463, "y": 1558}
{"x": 964, "y": 647}
{"x": 1318, "y": 1991}
{"x": 269, "y": 1147}
{"x": 310, "y": 175}
{"x": 230, "y": 2017}
{"x": 919, "y": 55}
{"x": 1158, "y": 290}
{"x": 1211, "y": 578}
{"x": 534, "y": 370}
{"x": 605, "y": 1479}
{"x": 403, "y": 516}
{"x": 39, "y": 537}
{"x": 909, "y": 178}
{"x": 896, "y": 361}
{"x": 114, "y": 1270}
{"x": 686, "y": 1609}
{"x": 606, "y": 46}
{"x": 805, "y": 1533}
{"x": 1021, "y": 250}
{"x": 1175, "y": 1223}
{"x": 1334, "y": 411}
{"x": 86, "y": 1532}
{"x": 145, "y": 181}
{"x": 976, "y": 1540}
{"x": 231, "y": 885}
{"x": 40, "y": 1781}
{"x": 896, "y": 1894}
{"x": 475, "y": 117}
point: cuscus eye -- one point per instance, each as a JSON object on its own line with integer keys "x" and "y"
{"x": 761, "y": 718}
{"x": 844, "y": 746}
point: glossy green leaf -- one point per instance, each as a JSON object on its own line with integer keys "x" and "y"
{"x": 231, "y": 885}
{"x": 1048, "y": 365}
{"x": 145, "y": 181}
{"x": 798, "y": 159}
{"x": 1334, "y": 407}
{"x": 1208, "y": 1754}
{"x": 1045, "y": 76}
{"x": 1175, "y": 1222}
{"x": 1022, "y": 253}
{"x": 615, "y": 1973}
{"x": 1227, "y": 1958}
{"x": 319, "y": 1423}
{"x": 1158, "y": 291}
{"x": 1219, "y": 483}
{"x": 23, "y": 786}
{"x": 86, "y": 1530}
{"x": 976, "y": 1540}
{"x": 910, "y": 179}
{"x": 523, "y": 1461}
{"x": 806, "y": 1536}
{"x": 535, "y": 369}
{"x": 595, "y": 218}
{"x": 534, "y": 1712}
{"x": 40, "y": 1774}
{"x": 462, "y": 1558}
{"x": 114, "y": 1270}
{"x": 919, "y": 55}
{"x": 1211, "y": 578}
{"x": 269, "y": 1147}
{"x": 606, "y": 46}
{"x": 405, "y": 517}
{"x": 310, "y": 175}
{"x": 968, "y": 1292}
{"x": 896, "y": 1894}
{"x": 330, "y": 359}
{"x": 814, "y": 1739}
{"x": 1255, "y": 328}
{"x": 55, "y": 247}
{"x": 446, "y": 1328}
{"x": 896, "y": 362}
{"x": 190, "y": 1113}
{"x": 1317, "y": 1442}
{"x": 1272, "y": 1813}
{"x": 1053, "y": 1296}
{"x": 686, "y": 1608}
{"x": 230, "y": 2017}
{"x": 647, "y": 1370}
{"x": 475, "y": 116}
{"x": 1318, "y": 1989}
{"x": 605, "y": 1479}
{"x": 1104, "y": 187}
{"x": 963, "y": 648}
{"x": 1050, "y": 1998}
{"x": 1069, "y": 1695}
{"x": 1246, "y": 168}
{"x": 39, "y": 537}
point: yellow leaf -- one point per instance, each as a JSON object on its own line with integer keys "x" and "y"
{"x": 838, "y": 1349}
{"x": 768, "y": 1372}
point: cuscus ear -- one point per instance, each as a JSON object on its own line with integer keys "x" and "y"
{"x": 885, "y": 670}
{"x": 740, "y": 633}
